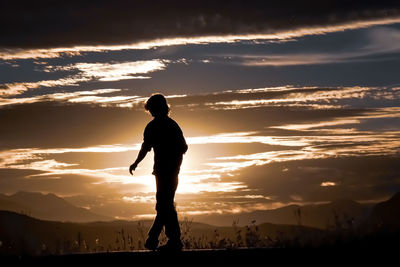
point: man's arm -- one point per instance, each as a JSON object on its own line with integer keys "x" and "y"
{"x": 142, "y": 154}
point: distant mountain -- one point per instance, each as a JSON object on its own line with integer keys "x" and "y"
{"x": 47, "y": 207}
{"x": 387, "y": 213}
{"x": 320, "y": 216}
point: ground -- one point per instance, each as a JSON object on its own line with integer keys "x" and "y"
{"x": 244, "y": 257}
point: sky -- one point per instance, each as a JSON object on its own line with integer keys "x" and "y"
{"x": 279, "y": 105}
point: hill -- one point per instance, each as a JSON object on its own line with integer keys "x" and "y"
{"x": 387, "y": 214}
{"x": 47, "y": 207}
{"x": 21, "y": 234}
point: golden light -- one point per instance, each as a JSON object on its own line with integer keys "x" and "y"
{"x": 328, "y": 184}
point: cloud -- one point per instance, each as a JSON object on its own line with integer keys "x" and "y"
{"x": 380, "y": 41}
{"x": 55, "y": 24}
{"x": 321, "y": 140}
{"x": 60, "y": 124}
{"x": 99, "y": 97}
{"x": 241, "y": 137}
{"x": 48, "y": 168}
{"x": 88, "y": 72}
{"x": 384, "y": 40}
{"x": 313, "y": 97}
{"x": 77, "y": 96}
{"x": 305, "y": 126}
{"x": 77, "y": 118}
{"x": 304, "y": 178}
{"x": 317, "y": 140}
{"x": 11, "y": 89}
{"x": 14, "y": 180}
{"x": 279, "y": 36}
{"x": 295, "y": 59}
{"x": 115, "y": 71}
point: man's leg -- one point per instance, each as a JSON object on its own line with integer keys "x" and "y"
{"x": 159, "y": 221}
{"x": 155, "y": 231}
{"x": 172, "y": 229}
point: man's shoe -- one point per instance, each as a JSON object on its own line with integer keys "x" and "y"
{"x": 151, "y": 244}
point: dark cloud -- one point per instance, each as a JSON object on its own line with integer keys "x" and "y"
{"x": 13, "y": 180}
{"x": 252, "y": 119}
{"x": 356, "y": 178}
{"x": 58, "y": 125}
{"x": 211, "y": 77}
{"x": 64, "y": 23}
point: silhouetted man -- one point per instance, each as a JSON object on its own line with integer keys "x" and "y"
{"x": 165, "y": 136}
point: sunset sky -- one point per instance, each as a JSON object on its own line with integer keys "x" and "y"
{"x": 278, "y": 105}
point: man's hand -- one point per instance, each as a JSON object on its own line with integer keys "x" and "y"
{"x": 132, "y": 168}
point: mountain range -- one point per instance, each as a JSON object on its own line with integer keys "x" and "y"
{"x": 54, "y": 208}
{"x": 47, "y": 207}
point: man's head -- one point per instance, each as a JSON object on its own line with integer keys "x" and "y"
{"x": 157, "y": 105}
